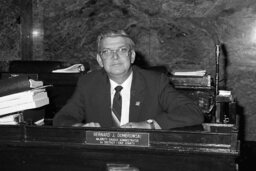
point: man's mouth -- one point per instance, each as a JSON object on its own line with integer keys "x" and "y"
{"x": 116, "y": 64}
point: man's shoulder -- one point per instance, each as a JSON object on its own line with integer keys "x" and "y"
{"x": 94, "y": 75}
{"x": 150, "y": 71}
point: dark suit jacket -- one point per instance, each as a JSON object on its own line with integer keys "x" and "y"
{"x": 152, "y": 97}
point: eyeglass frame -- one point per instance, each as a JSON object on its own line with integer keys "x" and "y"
{"x": 116, "y": 52}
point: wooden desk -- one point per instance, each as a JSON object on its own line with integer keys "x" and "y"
{"x": 49, "y": 148}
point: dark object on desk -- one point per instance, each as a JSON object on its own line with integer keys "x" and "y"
{"x": 216, "y": 109}
{"x": 34, "y": 66}
{"x": 14, "y": 85}
{"x": 203, "y": 97}
{"x": 199, "y": 89}
{"x": 33, "y": 116}
{"x": 40, "y": 66}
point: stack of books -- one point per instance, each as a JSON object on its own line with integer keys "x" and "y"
{"x": 18, "y": 94}
{"x": 184, "y": 79}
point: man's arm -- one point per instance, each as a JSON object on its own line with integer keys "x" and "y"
{"x": 72, "y": 112}
{"x": 178, "y": 110}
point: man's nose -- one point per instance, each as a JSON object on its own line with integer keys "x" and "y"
{"x": 115, "y": 55}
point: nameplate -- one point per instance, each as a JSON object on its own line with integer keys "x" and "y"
{"x": 136, "y": 139}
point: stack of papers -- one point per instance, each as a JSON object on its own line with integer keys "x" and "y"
{"x": 198, "y": 73}
{"x": 18, "y": 94}
{"x": 76, "y": 68}
{"x": 22, "y": 101}
{"x": 12, "y": 119}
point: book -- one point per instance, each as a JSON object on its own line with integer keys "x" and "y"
{"x": 198, "y": 73}
{"x": 10, "y": 119}
{"x": 76, "y": 68}
{"x": 25, "y": 95}
{"x": 24, "y": 106}
{"x": 17, "y": 84}
{"x": 28, "y": 96}
{"x": 9, "y": 123}
{"x": 204, "y": 81}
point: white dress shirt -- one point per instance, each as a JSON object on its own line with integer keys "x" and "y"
{"x": 126, "y": 94}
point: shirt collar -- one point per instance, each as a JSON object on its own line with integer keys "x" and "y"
{"x": 127, "y": 83}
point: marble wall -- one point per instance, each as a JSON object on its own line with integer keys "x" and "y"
{"x": 9, "y": 32}
{"x": 172, "y": 33}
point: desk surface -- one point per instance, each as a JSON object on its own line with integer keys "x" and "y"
{"x": 50, "y": 148}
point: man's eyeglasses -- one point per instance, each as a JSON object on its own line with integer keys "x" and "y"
{"x": 121, "y": 52}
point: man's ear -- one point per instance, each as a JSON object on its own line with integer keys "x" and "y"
{"x": 99, "y": 60}
{"x": 133, "y": 56}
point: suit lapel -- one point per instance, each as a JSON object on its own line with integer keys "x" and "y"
{"x": 105, "y": 101}
{"x": 137, "y": 95}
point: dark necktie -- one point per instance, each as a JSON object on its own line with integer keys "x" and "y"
{"x": 117, "y": 102}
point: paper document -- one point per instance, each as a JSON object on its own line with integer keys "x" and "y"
{"x": 189, "y": 73}
{"x": 76, "y": 68}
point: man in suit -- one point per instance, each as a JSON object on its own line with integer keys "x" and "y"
{"x": 145, "y": 100}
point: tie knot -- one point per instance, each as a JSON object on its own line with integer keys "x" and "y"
{"x": 118, "y": 88}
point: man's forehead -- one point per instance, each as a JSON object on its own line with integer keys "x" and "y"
{"x": 116, "y": 37}
{"x": 112, "y": 41}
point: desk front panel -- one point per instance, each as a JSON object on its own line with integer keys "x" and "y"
{"x": 49, "y": 148}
